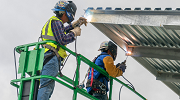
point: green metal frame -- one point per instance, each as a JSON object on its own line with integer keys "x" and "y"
{"x": 31, "y": 61}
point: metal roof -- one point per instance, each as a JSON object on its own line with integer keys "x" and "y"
{"x": 152, "y": 37}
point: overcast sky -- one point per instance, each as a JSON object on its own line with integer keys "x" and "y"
{"x": 21, "y": 22}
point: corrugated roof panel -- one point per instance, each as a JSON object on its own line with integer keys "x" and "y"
{"x": 168, "y": 8}
{"x": 177, "y": 8}
{"x": 118, "y": 8}
{"x": 157, "y": 9}
{"x": 137, "y": 9}
{"x": 153, "y": 36}
{"x": 147, "y": 8}
{"x": 108, "y": 8}
{"x": 147, "y": 35}
{"x": 99, "y": 8}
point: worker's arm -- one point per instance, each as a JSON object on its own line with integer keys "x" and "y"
{"x": 111, "y": 68}
{"x": 58, "y": 31}
{"x": 76, "y": 23}
{"x": 68, "y": 28}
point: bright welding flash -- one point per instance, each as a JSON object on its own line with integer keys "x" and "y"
{"x": 89, "y": 18}
{"x": 128, "y": 53}
{"x": 88, "y": 15}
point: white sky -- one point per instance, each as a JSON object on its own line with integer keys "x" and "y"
{"x": 22, "y": 21}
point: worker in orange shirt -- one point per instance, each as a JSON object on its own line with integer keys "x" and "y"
{"x": 97, "y": 84}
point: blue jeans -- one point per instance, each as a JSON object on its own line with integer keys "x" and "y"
{"x": 51, "y": 69}
{"x": 100, "y": 96}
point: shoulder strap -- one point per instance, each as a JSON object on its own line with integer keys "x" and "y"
{"x": 94, "y": 61}
{"x": 97, "y": 57}
{"x": 92, "y": 73}
{"x": 46, "y": 31}
{"x": 45, "y": 36}
{"x": 101, "y": 75}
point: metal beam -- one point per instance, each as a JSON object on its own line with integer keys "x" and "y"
{"x": 154, "y": 52}
{"x": 172, "y": 27}
{"x": 114, "y": 37}
{"x": 149, "y": 67}
{"x": 168, "y": 77}
{"x": 148, "y": 18}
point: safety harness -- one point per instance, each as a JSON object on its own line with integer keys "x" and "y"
{"x": 50, "y": 47}
{"x": 47, "y": 34}
{"x": 96, "y": 85}
{"x": 55, "y": 51}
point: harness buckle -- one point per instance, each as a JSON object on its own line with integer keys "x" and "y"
{"x": 102, "y": 87}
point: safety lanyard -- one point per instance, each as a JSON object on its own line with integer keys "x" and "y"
{"x": 92, "y": 70}
{"x": 92, "y": 73}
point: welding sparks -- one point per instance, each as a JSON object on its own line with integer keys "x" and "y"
{"x": 128, "y": 53}
{"x": 88, "y": 15}
{"x": 89, "y": 18}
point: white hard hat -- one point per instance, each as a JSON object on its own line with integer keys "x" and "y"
{"x": 104, "y": 45}
{"x": 108, "y": 45}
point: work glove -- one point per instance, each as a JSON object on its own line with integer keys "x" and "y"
{"x": 79, "y": 22}
{"x": 76, "y": 31}
{"x": 121, "y": 66}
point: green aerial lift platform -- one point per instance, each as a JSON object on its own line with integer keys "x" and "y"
{"x": 152, "y": 37}
{"x": 31, "y": 62}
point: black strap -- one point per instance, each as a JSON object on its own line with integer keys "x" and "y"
{"x": 48, "y": 57}
{"x": 53, "y": 49}
{"x": 100, "y": 92}
{"x": 95, "y": 83}
{"x": 60, "y": 73}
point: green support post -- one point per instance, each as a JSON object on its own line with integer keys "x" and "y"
{"x": 25, "y": 62}
{"x": 111, "y": 86}
{"x": 31, "y": 89}
{"x": 77, "y": 76}
{"x": 20, "y": 90}
{"x": 32, "y": 61}
{"x": 34, "y": 73}
{"x": 23, "y": 74}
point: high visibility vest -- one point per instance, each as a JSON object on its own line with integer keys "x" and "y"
{"x": 47, "y": 34}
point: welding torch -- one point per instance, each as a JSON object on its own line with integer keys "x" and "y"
{"x": 83, "y": 20}
{"x": 124, "y": 62}
{"x": 122, "y": 65}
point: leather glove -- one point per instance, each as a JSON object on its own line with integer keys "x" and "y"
{"x": 79, "y": 22}
{"x": 121, "y": 67}
{"x": 76, "y": 31}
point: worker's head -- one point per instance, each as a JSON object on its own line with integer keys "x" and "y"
{"x": 65, "y": 10}
{"x": 110, "y": 48}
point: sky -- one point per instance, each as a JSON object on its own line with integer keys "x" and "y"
{"x": 22, "y": 21}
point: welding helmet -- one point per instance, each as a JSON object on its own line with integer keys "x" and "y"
{"x": 108, "y": 45}
{"x": 67, "y": 7}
